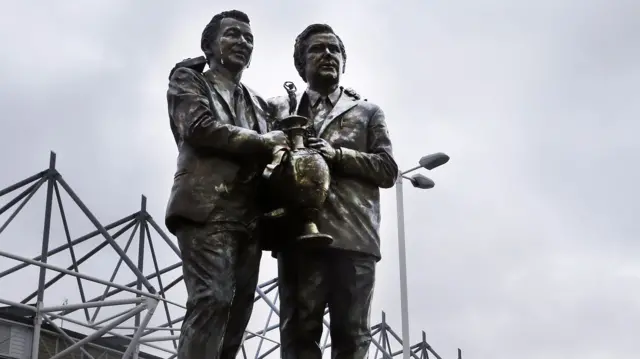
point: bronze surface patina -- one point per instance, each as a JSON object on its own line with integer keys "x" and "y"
{"x": 220, "y": 130}
{"x": 351, "y": 135}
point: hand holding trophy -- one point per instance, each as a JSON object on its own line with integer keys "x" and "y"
{"x": 300, "y": 176}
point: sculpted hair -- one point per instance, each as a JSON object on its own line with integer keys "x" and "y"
{"x": 210, "y": 31}
{"x": 301, "y": 46}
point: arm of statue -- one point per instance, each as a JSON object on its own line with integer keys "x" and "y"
{"x": 189, "y": 108}
{"x": 377, "y": 164}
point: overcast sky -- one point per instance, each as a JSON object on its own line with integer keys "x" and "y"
{"x": 527, "y": 246}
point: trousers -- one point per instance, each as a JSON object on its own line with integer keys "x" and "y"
{"x": 309, "y": 281}
{"x": 220, "y": 269}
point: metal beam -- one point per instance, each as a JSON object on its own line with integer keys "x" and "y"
{"x": 386, "y": 344}
{"x": 50, "y": 175}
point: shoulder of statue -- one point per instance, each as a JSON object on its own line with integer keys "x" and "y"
{"x": 196, "y": 64}
{"x": 352, "y": 93}
{"x": 276, "y": 105}
{"x": 281, "y": 100}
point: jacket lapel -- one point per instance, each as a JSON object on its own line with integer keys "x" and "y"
{"x": 258, "y": 111}
{"x": 224, "y": 95}
{"x": 345, "y": 103}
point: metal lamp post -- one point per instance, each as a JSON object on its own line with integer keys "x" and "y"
{"x": 428, "y": 162}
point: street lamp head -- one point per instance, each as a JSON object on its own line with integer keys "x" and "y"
{"x": 421, "y": 181}
{"x": 433, "y": 160}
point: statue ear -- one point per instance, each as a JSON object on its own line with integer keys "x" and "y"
{"x": 213, "y": 53}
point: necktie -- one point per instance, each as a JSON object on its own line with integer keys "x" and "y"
{"x": 239, "y": 109}
{"x": 323, "y": 107}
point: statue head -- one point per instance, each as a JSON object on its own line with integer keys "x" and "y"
{"x": 319, "y": 56}
{"x": 227, "y": 40}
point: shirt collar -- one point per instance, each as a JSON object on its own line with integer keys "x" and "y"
{"x": 315, "y": 97}
{"x": 223, "y": 80}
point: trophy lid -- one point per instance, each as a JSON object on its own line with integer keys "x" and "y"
{"x": 294, "y": 122}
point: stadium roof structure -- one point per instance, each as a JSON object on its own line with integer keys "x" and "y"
{"x": 141, "y": 305}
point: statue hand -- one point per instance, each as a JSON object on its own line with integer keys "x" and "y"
{"x": 275, "y": 139}
{"x": 325, "y": 149}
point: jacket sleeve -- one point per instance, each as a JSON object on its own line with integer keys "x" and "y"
{"x": 188, "y": 99}
{"x": 376, "y": 164}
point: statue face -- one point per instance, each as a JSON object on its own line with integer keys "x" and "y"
{"x": 234, "y": 44}
{"x": 324, "y": 62}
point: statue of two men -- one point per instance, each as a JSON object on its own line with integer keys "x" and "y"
{"x": 225, "y": 137}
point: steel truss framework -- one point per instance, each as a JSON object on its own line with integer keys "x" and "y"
{"x": 140, "y": 297}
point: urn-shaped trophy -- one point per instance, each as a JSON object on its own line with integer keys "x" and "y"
{"x": 300, "y": 176}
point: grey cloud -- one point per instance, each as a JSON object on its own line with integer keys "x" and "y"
{"x": 525, "y": 247}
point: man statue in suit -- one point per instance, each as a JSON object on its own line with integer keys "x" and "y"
{"x": 352, "y": 136}
{"x": 219, "y": 126}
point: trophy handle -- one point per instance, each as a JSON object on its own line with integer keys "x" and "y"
{"x": 278, "y": 155}
{"x": 290, "y": 87}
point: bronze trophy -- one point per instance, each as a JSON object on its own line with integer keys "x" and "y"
{"x": 299, "y": 176}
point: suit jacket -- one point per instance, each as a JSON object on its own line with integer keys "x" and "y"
{"x": 218, "y": 162}
{"x": 363, "y": 165}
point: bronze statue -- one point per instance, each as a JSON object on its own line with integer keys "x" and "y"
{"x": 300, "y": 176}
{"x": 220, "y": 128}
{"x": 352, "y": 136}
